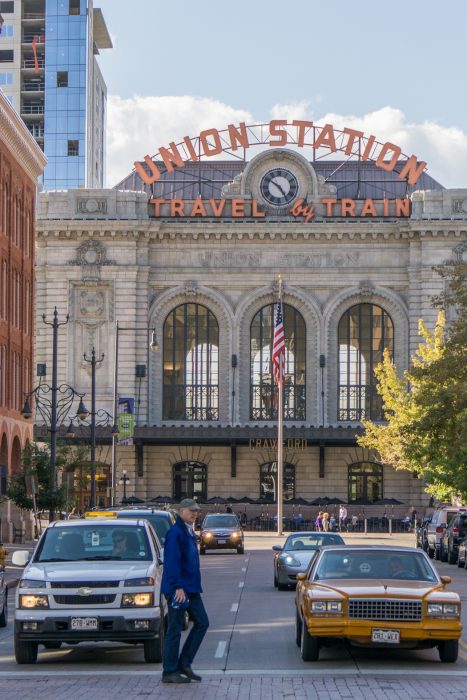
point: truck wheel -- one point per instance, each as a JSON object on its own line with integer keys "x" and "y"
{"x": 430, "y": 552}
{"x": 153, "y": 648}
{"x": 25, "y": 652}
{"x": 309, "y": 645}
{"x": 448, "y": 651}
{"x": 451, "y": 557}
{"x": 282, "y": 586}
{"x": 4, "y": 613}
{"x": 437, "y": 553}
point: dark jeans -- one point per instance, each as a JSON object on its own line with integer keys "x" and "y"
{"x": 172, "y": 657}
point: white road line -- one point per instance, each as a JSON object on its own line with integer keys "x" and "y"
{"x": 246, "y": 559}
{"x": 220, "y": 651}
{"x": 244, "y": 568}
{"x": 234, "y": 607}
{"x": 241, "y": 584}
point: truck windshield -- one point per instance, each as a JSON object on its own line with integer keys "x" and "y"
{"x": 94, "y": 542}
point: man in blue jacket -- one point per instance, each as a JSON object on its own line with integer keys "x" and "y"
{"x": 181, "y": 584}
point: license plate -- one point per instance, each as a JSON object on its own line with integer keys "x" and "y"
{"x": 221, "y": 541}
{"x": 84, "y": 623}
{"x": 386, "y": 636}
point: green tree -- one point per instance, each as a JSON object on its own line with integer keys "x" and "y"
{"x": 36, "y": 462}
{"x": 426, "y": 408}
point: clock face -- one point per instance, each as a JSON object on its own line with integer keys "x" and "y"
{"x": 279, "y": 187}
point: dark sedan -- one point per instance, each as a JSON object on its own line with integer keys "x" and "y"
{"x": 221, "y": 531}
{"x": 294, "y": 557}
{"x": 451, "y": 538}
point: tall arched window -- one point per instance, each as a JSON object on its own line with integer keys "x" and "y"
{"x": 365, "y": 481}
{"x": 191, "y": 364}
{"x": 263, "y": 402}
{"x": 268, "y": 481}
{"x": 190, "y": 480}
{"x": 365, "y": 331}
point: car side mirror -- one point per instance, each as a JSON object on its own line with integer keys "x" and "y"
{"x": 277, "y": 548}
{"x": 301, "y": 577}
{"x": 20, "y": 557}
{"x": 445, "y": 580}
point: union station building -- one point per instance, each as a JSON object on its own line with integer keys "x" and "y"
{"x": 190, "y": 254}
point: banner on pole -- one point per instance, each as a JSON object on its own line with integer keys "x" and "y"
{"x": 125, "y": 421}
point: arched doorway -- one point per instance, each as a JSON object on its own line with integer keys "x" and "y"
{"x": 16, "y": 456}
{"x": 365, "y": 481}
{"x": 190, "y": 480}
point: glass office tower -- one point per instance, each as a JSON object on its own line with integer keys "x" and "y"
{"x": 48, "y": 60}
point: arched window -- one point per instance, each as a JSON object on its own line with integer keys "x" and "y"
{"x": 365, "y": 331}
{"x": 190, "y": 480}
{"x": 365, "y": 482}
{"x": 191, "y": 364}
{"x": 268, "y": 481}
{"x": 263, "y": 401}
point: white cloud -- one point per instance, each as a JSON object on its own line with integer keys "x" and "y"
{"x": 140, "y": 125}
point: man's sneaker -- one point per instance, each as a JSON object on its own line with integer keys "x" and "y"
{"x": 174, "y": 678}
{"x": 188, "y": 671}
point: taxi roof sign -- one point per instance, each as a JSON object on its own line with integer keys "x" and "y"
{"x": 101, "y": 514}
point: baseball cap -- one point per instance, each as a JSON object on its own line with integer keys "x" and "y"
{"x": 189, "y": 503}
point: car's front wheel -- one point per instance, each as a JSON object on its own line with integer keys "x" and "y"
{"x": 25, "y": 652}
{"x": 241, "y": 550}
{"x": 4, "y": 613}
{"x": 309, "y": 645}
{"x": 448, "y": 651}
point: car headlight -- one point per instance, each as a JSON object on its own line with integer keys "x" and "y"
{"x": 207, "y": 535}
{"x": 236, "y": 534}
{"x": 137, "y": 600}
{"x": 443, "y": 609}
{"x": 290, "y": 560}
{"x": 145, "y": 581}
{"x": 333, "y": 607}
{"x": 30, "y": 583}
{"x": 33, "y": 601}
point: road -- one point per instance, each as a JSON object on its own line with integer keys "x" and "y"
{"x": 251, "y": 639}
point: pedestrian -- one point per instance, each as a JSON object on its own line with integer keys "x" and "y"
{"x": 319, "y": 521}
{"x": 298, "y": 521}
{"x": 181, "y": 585}
{"x": 332, "y": 523}
{"x": 342, "y": 517}
{"x": 354, "y": 522}
{"x": 325, "y": 518}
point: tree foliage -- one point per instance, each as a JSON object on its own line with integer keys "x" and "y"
{"x": 426, "y": 408}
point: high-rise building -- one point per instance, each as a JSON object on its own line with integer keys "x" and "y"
{"x": 49, "y": 71}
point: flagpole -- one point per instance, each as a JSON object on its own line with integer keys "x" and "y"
{"x": 280, "y": 439}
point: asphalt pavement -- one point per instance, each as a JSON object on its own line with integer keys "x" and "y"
{"x": 249, "y": 650}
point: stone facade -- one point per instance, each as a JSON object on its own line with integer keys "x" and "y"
{"x": 102, "y": 259}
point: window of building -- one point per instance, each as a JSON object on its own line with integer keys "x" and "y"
{"x": 73, "y": 148}
{"x": 191, "y": 364}
{"x": 7, "y": 7}
{"x": 3, "y": 374}
{"x": 6, "y": 56}
{"x": 268, "y": 481}
{"x": 62, "y": 79}
{"x": 6, "y": 210}
{"x": 190, "y": 480}
{"x": 4, "y": 297}
{"x": 6, "y": 30}
{"x": 263, "y": 402}
{"x": 365, "y": 331}
{"x": 74, "y": 7}
{"x": 6, "y": 78}
{"x": 365, "y": 482}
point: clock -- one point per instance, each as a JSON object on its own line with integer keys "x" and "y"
{"x": 279, "y": 187}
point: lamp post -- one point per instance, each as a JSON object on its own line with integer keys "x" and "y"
{"x": 93, "y": 362}
{"x": 153, "y": 346}
{"x": 124, "y": 479}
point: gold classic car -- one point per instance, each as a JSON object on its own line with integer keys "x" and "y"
{"x": 385, "y": 597}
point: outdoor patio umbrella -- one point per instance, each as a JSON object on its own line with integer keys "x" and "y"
{"x": 322, "y": 501}
{"x": 163, "y": 499}
{"x": 335, "y": 501}
{"x": 217, "y": 500}
{"x": 231, "y": 499}
{"x": 246, "y": 499}
{"x": 297, "y": 501}
{"x": 362, "y": 502}
{"x": 132, "y": 500}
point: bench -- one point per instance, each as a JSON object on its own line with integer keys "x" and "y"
{"x": 18, "y": 534}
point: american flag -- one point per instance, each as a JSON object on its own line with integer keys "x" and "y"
{"x": 278, "y": 346}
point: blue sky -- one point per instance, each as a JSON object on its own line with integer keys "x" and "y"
{"x": 352, "y": 59}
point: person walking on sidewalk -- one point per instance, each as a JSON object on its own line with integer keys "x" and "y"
{"x": 181, "y": 584}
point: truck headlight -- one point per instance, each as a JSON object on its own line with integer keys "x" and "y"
{"x": 146, "y": 581}
{"x": 33, "y": 601}
{"x": 443, "y": 609}
{"x": 137, "y": 600}
{"x": 333, "y": 607}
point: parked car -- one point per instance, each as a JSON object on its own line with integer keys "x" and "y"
{"x": 453, "y": 534}
{"x": 462, "y": 555}
{"x": 294, "y": 557}
{"x": 3, "y": 593}
{"x": 221, "y": 531}
{"x": 91, "y": 580}
{"x": 386, "y": 597}
{"x": 435, "y": 529}
{"x": 422, "y": 533}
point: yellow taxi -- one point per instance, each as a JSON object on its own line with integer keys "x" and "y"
{"x": 384, "y": 597}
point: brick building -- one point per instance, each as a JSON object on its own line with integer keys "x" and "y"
{"x": 21, "y": 163}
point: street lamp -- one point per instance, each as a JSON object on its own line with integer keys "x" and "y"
{"x": 124, "y": 480}
{"x": 153, "y": 345}
{"x": 93, "y": 362}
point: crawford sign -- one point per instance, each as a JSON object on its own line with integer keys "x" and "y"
{"x": 280, "y": 133}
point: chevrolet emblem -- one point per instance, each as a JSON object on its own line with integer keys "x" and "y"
{"x": 84, "y": 591}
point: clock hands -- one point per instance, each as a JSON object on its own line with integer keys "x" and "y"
{"x": 276, "y": 184}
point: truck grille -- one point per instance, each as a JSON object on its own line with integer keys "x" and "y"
{"x": 84, "y": 600}
{"x": 383, "y": 609}
{"x": 84, "y": 584}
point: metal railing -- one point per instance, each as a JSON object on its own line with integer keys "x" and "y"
{"x": 264, "y": 402}
{"x": 32, "y": 109}
{"x": 30, "y": 63}
{"x": 29, "y": 38}
{"x": 34, "y": 87}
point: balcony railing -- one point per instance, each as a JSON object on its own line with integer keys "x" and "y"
{"x": 30, "y": 63}
{"x": 264, "y": 398}
{"x": 359, "y": 402}
{"x": 32, "y": 109}
{"x": 34, "y": 87}
{"x": 29, "y": 38}
{"x": 36, "y": 131}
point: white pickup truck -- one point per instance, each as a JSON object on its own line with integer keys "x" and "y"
{"x": 90, "y": 581}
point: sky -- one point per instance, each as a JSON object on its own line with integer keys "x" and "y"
{"x": 396, "y": 69}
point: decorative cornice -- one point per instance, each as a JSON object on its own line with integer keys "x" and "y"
{"x": 18, "y": 140}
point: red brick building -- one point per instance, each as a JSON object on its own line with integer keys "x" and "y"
{"x": 21, "y": 163}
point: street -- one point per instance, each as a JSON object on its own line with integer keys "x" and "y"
{"x": 249, "y": 650}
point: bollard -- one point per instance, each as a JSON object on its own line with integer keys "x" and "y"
{"x": 366, "y": 527}
{"x": 390, "y": 527}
